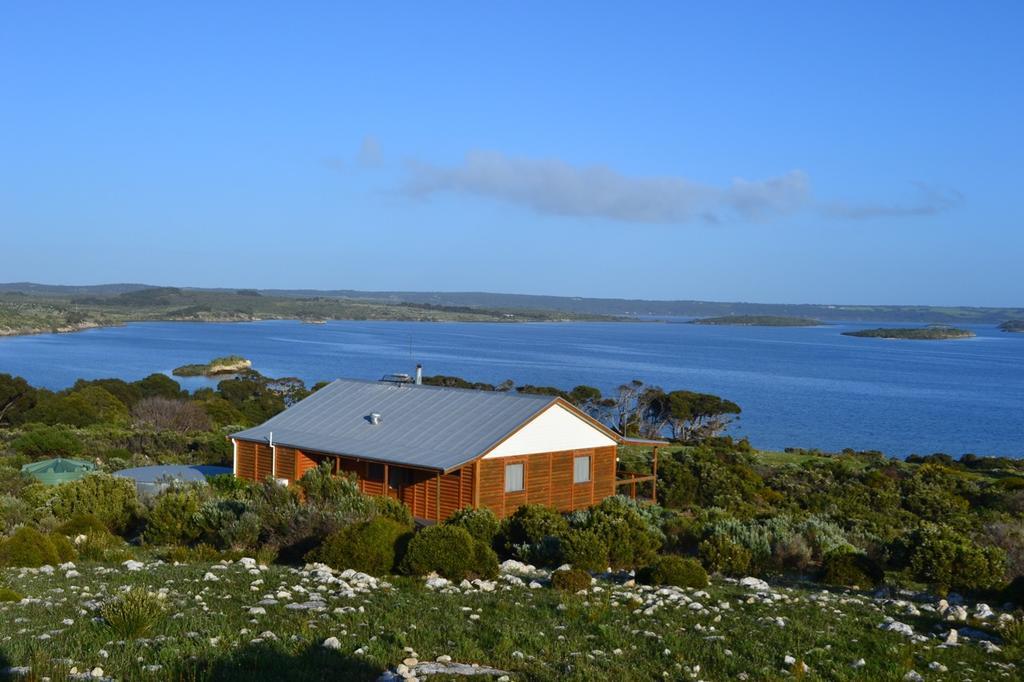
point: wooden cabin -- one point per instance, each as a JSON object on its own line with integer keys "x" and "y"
{"x": 440, "y": 449}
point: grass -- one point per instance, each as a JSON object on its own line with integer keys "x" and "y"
{"x": 206, "y": 632}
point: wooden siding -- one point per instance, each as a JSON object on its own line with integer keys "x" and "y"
{"x": 548, "y": 480}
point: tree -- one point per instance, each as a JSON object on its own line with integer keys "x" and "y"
{"x": 16, "y": 398}
{"x": 159, "y": 385}
{"x": 692, "y": 416}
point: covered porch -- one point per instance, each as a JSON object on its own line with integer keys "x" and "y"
{"x": 636, "y": 474}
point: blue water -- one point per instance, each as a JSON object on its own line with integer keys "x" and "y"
{"x": 802, "y": 387}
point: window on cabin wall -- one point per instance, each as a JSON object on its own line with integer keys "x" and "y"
{"x": 514, "y": 482}
{"x": 375, "y": 472}
{"x": 581, "y": 469}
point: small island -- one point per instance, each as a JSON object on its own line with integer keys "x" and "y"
{"x": 759, "y": 321}
{"x": 1013, "y": 326}
{"x": 930, "y": 333}
{"x": 229, "y": 364}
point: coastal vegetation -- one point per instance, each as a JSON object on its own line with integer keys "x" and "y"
{"x": 1012, "y": 326}
{"x": 52, "y": 311}
{"x": 229, "y": 364}
{"x": 850, "y": 565}
{"x": 758, "y": 321}
{"x": 929, "y": 333}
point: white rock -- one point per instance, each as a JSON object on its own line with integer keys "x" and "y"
{"x": 913, "y": 676}
{"x": 753, "y": 583}
{"x": 210, "y": 578}
{"x": 898, "y": 627}
{"x": 937, "y": 667}
{"x": 983, "y": 611}
{"x": 951, "y": 637}
{"x": 331, "y": 643}
{"x": 859, "y": 663}
{"x": 133, "y": 565}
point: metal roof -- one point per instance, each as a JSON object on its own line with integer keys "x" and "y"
{"x": 422, "y": 426}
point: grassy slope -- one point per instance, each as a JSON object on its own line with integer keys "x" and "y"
{"x": 913, "y": 333}
{"x": 758, "y": 321}
{"x": 557, "y": 637}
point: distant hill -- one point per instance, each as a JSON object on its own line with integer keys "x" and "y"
{"x": 757, "y": 321}
{"x": 1012, "y": 326}
{"x": 580, "y": 306}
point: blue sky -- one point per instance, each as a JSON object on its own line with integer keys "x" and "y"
{"x": 777, "y": 152}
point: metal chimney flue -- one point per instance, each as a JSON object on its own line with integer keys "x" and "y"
{"x": 419, "y": 375}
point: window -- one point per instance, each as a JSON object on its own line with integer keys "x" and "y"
{"x": 375, "y": 472}
{"x": 514, "y": 477}
{"x": 581, "y": 469}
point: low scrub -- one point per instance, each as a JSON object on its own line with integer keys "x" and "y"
{"x": 674, "y": 570}
{"x": 372, "y": 547}
{"x": 451, "y": 552}
{"x": 851, "y": 569}
{"x": 133, "y": 614}
{"x": 570, "y": 580}
{"x": 721, "y": 555}
{"x": 9, "y": 595}
{"x": 482, "y": 524}
{"x": 28, "y": 548}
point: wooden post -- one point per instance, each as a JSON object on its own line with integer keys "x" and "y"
{"x": 654, "y": 483}
{"x": 439, "y": 498}
{"x": 387, "y": 483}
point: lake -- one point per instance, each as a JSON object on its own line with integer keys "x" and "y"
{"x": 798, "y": 387}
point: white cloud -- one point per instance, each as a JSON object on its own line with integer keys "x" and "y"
{"x": 931, "y": 200}
{"x": 552, "y": 186}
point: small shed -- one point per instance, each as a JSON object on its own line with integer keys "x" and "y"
{"x": 153, "y": 479}
{"x": 57, "y": 470}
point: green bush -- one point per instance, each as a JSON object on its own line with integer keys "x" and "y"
{"x": 371, "y": 547}
{"x": 174, "y": 518}
{"x": 632, "y": 539}
{"x": 14, "y": 511}
{"x": 482, "y": 524}
{"x": 719, "y": 554}
{"x": 8, "y": 595}
{"x": 28, "y": 548}
{"x": 851, "y": 569}
{"x": 112, "y": 500}
{"x": 941, "y": 557}
{"x": 393, "y": 509}
{"x": 132, "y": 614}
{"x": 449, "y": 551}
{"x": 102, "y": 546}
{"x": 585, "y": 549}
{"x": 48, "y": 441}
{"x": 82, "y": 524}
{"x": 531, "y": 523}
{"x": 229, "y": 524}
{"x": 570, "y": 580}
{"x": 673, "y": 570}
{"x": 65, "y": 550}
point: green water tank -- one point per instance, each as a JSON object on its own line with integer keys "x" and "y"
{"x": 59, "y": 470}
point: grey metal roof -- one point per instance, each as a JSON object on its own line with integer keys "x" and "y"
{"x": 423, "y": 426}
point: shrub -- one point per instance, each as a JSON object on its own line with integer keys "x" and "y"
{"x": 570, "y": 580}
{"x": 174, "y": 518}
{"x": 229, "y": 524}
{"x": 531, "y": 523}
{"x": 48, "y": 441}
{"x": 1012, "y": 630}
{"x": 851, "y": 569}
{"x": 28, "y": 548}
{"x": 65, "y": 550}
{"x": 449, "y": 551}
{"x": 132, "y": 614}
{"x": 673, "y": 570}
{"x": 370, "y": 547}
{"x": 201, "y": 553}
{"x": 7, "y": 594}
{"x": 585, "y": 549}
{"x": 485, "y": 560}
{"x": 14, "y": 512}
{"x": 168, "y": 414}
{"x": 940, "y": 556}
{"x": 721, "y": 555}
{"x": 112, "y": 500}
{"x": 632, "y": 539}
{"x": 391, "y": 508}
{"x": 82, "y": 524}
{"x": 792, "y": 553}
{"x": 482, "y": 524}
{"x": 100, "y": 546}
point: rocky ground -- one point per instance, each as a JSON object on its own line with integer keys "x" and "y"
{"x": 240, "y": 620}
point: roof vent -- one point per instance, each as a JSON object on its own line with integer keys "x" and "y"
{"x": 374, "y": 418}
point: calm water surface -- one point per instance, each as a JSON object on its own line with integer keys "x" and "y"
{"x": 803, "y": 387}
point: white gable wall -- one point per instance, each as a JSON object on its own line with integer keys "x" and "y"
{"x": 554, "y": 430}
